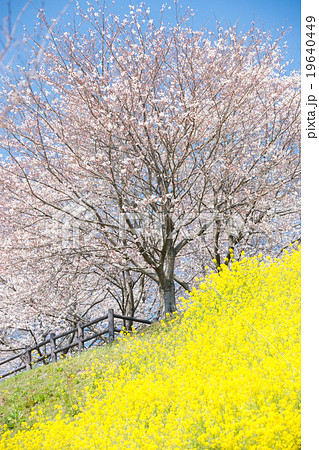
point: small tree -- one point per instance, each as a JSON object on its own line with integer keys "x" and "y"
{"x": 167, "y": 138}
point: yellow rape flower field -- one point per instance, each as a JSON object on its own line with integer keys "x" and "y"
{"x": 222, "y": 374}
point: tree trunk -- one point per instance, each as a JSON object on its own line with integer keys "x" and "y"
{"x": 167, "y": 285}
{"x": 129, "y": 309}
{"x": 167, "y": 298}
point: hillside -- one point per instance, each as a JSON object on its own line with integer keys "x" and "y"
{"x": 222, "y": 374}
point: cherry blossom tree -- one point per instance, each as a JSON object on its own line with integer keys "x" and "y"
{"x": 47, "y": 282}
{"x": 165, "y": 147}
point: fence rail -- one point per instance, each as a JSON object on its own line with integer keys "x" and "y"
{"x": 52, "y": 355}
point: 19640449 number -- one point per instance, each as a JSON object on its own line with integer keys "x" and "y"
{"x": 310, "y": 47}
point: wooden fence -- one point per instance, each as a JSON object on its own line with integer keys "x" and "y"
{"x": 54, "y": 349}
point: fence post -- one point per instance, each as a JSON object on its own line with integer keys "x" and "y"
{"x": 110, "y": 315}
{"x": 28, "y": 357}
{"x": 80, "y": 336}
{"x": 53, "y": 347}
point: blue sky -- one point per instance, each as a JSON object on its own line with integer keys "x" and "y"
{"x": 271, "y": 13}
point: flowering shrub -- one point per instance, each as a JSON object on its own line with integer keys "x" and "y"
{"x": 223, "y": 374}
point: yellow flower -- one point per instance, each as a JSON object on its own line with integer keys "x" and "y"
{"x": 224, "y": 374}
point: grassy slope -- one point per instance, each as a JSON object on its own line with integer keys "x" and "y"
{"x": 60, "y": 383}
